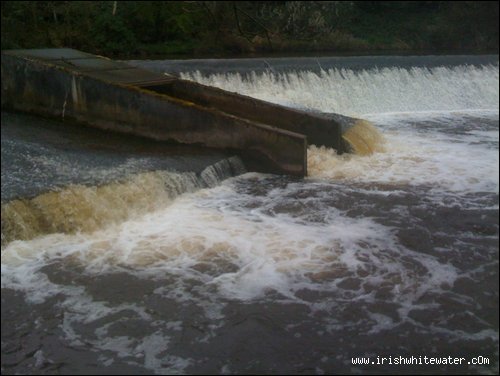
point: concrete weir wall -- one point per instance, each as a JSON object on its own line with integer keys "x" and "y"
{"x": 112, "y": 95}
{"x": 320, "y": 129}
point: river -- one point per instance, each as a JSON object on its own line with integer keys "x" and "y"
{"x": 389, "y": 255}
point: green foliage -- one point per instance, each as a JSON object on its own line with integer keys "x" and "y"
{"x": 110, "y": 35}
{"x": 163, "y": 28}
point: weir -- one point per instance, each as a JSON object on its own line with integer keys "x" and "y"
{"x": 111, "y": 95}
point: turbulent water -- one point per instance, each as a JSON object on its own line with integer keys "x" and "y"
{"x": 373, "y": 91}
{"x": 393, "y": 254}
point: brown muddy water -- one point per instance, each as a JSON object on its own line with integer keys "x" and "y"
{"x": 387, "y": 255}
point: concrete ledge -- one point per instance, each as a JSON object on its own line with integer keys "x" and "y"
{"x": 54, "y": 87}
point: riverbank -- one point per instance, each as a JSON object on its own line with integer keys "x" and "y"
{"x": 228, "y": 29}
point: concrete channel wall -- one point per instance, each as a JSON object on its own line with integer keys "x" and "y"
{"x": 320, "y": 129}
{"x": 103, "y": 93}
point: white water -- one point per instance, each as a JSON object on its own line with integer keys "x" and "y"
{"x": 88, "y": 208}
{"x": 356, "y": 93}
{"x": 396, "y": 100}
{"x": 224, "y": 243}
{"x": 437, "y": 157}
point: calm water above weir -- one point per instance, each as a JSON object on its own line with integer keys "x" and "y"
{"x": 388, "y": 255}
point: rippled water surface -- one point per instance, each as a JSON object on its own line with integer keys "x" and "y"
{"x": 392, "y": 254}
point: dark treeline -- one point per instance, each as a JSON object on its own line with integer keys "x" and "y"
{"x": 221, "y": 28}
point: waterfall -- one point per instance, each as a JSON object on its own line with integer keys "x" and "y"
{"x": 88, "y": 208}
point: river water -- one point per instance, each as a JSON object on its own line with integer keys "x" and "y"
{"x": 389, "y": 255}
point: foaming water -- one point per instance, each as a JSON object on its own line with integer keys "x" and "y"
{"x": 89, "y": 208}
{"x": 390, "y": 253}
{"x": 368, "y": 94}
{"x": 337, "y": 259}
{"x": 355, "y": 93}
{"x": 451, "y": 151}
{"x": 209, "y": 238}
